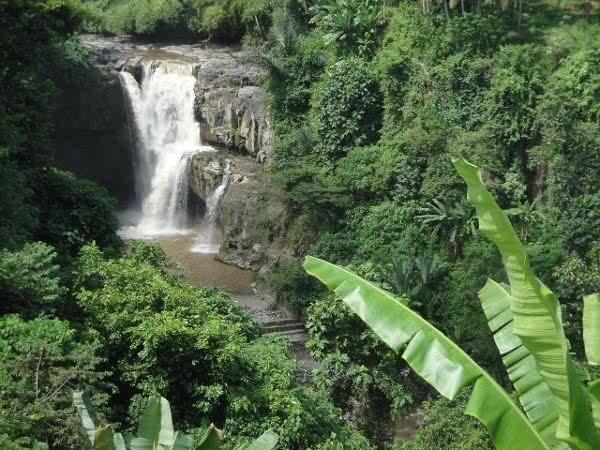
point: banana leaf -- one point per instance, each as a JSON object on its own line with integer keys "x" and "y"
{"x": 156, "y": 424}
{"x": 536, "y": 318}
{"x": 267, "y": 441}
{"x": 432, "y": 355}
{"x": 86, "y": 413}
{"x": 594, "y": 389}
{"x": 181, "y": 442}
{"x": 534, "y": 393}
{"x": 104, "y": 439}
{"x": 212, "y": 439}
{"x": 591, "y": 328}
{"x": 120, "y": 442}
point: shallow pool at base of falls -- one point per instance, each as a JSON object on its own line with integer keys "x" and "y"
{"x": 196, "y": 250}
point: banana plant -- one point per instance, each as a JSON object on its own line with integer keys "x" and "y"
{"x": 155, "y": 431}
{"x": 560, "y": 410}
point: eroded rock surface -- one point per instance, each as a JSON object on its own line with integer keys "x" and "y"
{"x": 230, "y": 106}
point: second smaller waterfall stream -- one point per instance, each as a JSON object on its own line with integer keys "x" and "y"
{"x": 208, "y": 239}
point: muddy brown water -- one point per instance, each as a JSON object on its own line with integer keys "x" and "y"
{"x": 196, "y": 252}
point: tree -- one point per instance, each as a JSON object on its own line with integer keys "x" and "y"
{"x": 41, "y": 362}
{"x": 562, "y": 411}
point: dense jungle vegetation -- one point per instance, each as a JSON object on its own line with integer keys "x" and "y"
{"x": 369, "y": 100}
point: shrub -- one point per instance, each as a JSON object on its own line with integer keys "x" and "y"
{"x": 74, "y": 211}
{"x": 445, "y": 427}
{"x": 290, "y": 279}
{"x": 353, "y": 25}
{"x": 29, "y": 280}
{"x": 348, "y": 108}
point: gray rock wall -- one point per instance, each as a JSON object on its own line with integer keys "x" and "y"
{"x": 230, "y": 105}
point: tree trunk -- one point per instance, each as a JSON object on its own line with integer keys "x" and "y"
{"x": 446, "y": 10}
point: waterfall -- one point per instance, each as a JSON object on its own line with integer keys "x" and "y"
{"x": 208, "y": 240}
{"x": 167, "y": 135}
{"x": 214, "y": 201}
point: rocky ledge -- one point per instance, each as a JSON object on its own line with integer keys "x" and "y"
{"x": 239, "y": 212}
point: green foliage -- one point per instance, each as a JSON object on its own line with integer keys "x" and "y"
{"x": 153, "y": 255}
{"x": 18, "y": 217}
{"x": 444, "y": 426}
{"x": 41, "y": 361}
{"x": 218, "y": 19}
{"x": 356, "y": 370}
{"x": 140, "y": 314}
{"x": 29, "y": 280}
{"x": 156, "y": 431}
{"x": 354, "y": 25}
{"x": 288, "y": 277}
{"x": 348, "y": 108}
{"x": 456, "y": 222}
{"x": 430, "y": 353}
{"x": 74, "y": 211}
{"x": 198, "y": 347}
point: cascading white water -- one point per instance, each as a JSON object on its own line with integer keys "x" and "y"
{"x": 214, "y": 201}
{"x": 207, "y": 241}
{"x": 167, "y": 136}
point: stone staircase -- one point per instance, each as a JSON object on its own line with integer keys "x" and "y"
{"x": 292, "y": 329}
{"x": 276, "y": 322}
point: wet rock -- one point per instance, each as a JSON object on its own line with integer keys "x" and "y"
{"x": 231, "y": 107}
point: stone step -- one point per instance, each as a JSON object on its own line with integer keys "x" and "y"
{"x": 294, "y": 336}
{"x": 273, "y": 323}
{"x": 294, "y": 326}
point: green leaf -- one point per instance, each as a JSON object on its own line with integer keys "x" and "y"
{"x": 149, "y": 426}
{"x": 536, "y": 318}
{"x": 140, "y": 443}
{"x": 432, "y": 355}
{"x": 156, "y": 423}
{"x": 104, "y": 439}
{"x": 40, "y": 446}
{"x": 594, "y": 389}
{"x": 181, "y": 442}
{"x": 212, "y": 439}
{"x": 591, "y": 328}
{"x": 119, "y": 442}
{"x": 534, "y": 393}
{"x": 267, "y": 441}
{"x": 87, "y": 414}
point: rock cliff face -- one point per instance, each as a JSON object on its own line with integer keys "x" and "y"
{"x": 231, "y": 107}
{"x": 240, "y": 207}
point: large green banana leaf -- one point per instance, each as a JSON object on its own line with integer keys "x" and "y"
{"x": 267, "y": 441}
{"x": 595, "y": 393}
{"x": 432, "y": 355}
{"x": 536, "y": 318}
{"x": 591, "y": 327}
{"x": 212, "y": 439}
{"x": 534, "y": 393}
